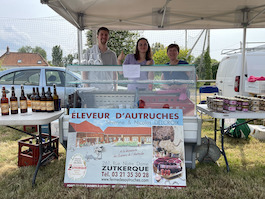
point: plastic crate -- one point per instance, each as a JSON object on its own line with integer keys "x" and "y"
{"x": 28, "y": 153}
{"x": 187, "y": 106}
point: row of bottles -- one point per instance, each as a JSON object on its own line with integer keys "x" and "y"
{"x": 13, "y": 102}
{"x": 43, "y": 103}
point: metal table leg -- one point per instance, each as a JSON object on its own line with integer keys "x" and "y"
{"x": 222, "y": 143}
{"x": 215, "y": 128}
{"x": 40, "y": 157}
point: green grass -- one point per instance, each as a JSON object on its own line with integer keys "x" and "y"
{"x": 245, "y": 180}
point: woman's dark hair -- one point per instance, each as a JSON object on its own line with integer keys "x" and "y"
{"x": 173, "y": 46}
{"x": 148, "y": 55}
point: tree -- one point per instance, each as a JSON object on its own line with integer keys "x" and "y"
{"x": 118, "y": 41}
{"x": 25, "y": 49}
{"x": 68, "y": 59}
{"x": 37, "y": 49}
{"x": 215, "y": 65}
{"x": 157, "y": 46}
{"x": 41, "y": 51}
{"x": 57, "y": 55}
{"x": 160, "y": 57}
{"x": 207, "y": 65}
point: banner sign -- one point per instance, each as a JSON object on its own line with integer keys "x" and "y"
{"x": 139, "y": 147}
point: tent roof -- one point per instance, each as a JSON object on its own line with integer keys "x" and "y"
{"x": 161, "y": 14}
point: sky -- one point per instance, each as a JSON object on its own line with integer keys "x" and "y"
{"x": 33, "y": 9}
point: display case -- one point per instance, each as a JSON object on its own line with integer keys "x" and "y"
{"x": 98, "y": 88}
{"x": 106, "y": 87}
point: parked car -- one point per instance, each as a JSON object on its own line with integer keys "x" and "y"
{"x": 38, "y": 77}
{"x": 230, "y": 72}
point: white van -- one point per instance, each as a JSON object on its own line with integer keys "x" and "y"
{"x": 230, "y": 71}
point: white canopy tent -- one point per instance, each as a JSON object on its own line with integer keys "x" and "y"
{"x": 162, "y": 14}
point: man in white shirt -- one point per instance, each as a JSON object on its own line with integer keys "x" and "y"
{"x": 108, "y": 57}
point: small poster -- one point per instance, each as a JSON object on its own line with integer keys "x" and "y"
{"x": 131, "y": 70}
{"x": 141, "y": 147}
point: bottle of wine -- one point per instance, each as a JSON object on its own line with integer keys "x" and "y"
{"x": 43, "y": 101}
{"x": 49, "y": 102}
{"x": 23, "y": 101}
{"x": 13, "y": 102}
{"x": 32, "y": 98}
{"x": 4, "y": 103}
{"x": 55, "y": 98}
{"x": 37, "y": 101}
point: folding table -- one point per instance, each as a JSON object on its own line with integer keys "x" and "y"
{"x": 32, "y": 118}
{"x": 225, "y": 115}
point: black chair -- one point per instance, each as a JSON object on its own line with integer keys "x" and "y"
{"x": 206, "y": 89}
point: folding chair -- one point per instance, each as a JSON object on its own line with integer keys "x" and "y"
{"x": 206, "y": 89}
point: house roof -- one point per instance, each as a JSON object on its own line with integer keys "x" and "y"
{"x": 22, "y": 59}
{"x": 86, "y": 127}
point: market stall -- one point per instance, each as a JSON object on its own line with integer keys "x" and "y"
{"x": 91, "y": 98}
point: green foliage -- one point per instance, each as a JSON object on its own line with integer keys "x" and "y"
{"x": 215, "y": 65}
{"x": 156, "y": 47}
{"x": 197, "y": 65}
{"x": 1, "y": 68}
{"x": 57, "y": 56}
{"x": 68, "y": 59}
{"x": 160, "y": 57}
{"x": 37, "y": 49}
{"x": 207, "y": 65}
{"x": 118, "y": 41}
{"x": 132, "y": 143}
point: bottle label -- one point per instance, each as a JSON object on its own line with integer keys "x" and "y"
{"x": 23, "y": 104}
{"x": 4, "y": 107}
{"x": 43, "y": 105}
{"x": 37, "y": 105}
{"x": 50, "y": 105}
{"x": 13, "y": 105}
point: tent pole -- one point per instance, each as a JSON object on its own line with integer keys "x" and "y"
{"x": 195, "y": 44}
{"x": 209, "y": 40}
{"x": 186, "y": 39}
{"x": 242, "y": 82}
{"x": 245, "y": 24}
{"x": 203, "y": 48}
{"x": 80, "y": 45}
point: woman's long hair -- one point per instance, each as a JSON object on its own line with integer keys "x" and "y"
{"x": 148, "y": 54}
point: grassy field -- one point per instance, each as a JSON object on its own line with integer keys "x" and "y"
{"x": 245, "y": 180}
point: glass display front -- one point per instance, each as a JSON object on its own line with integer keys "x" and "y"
{"x": 163, "y": 86}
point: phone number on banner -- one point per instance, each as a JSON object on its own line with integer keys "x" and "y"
{"x": 126, "y": 174}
